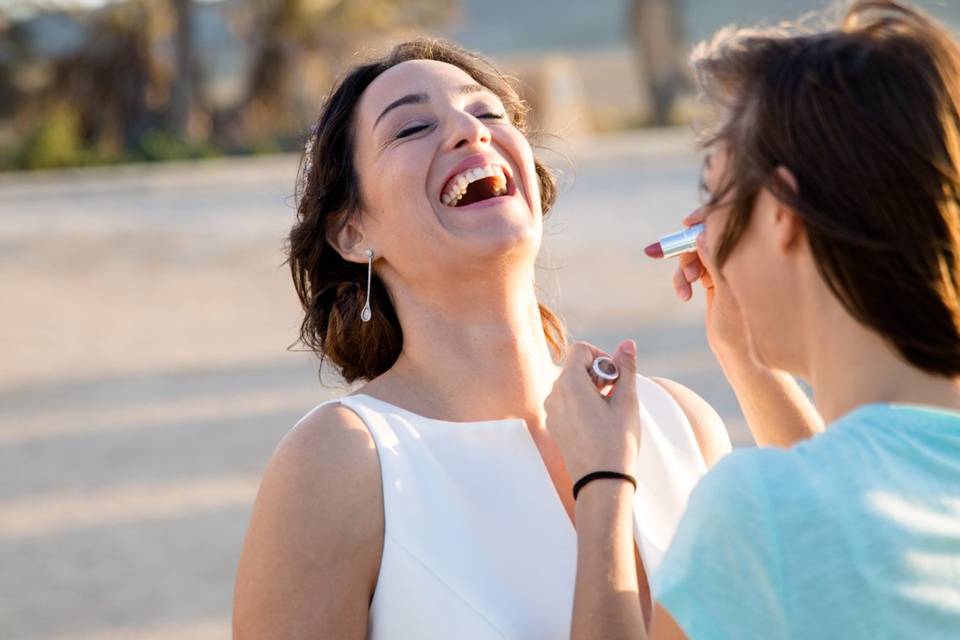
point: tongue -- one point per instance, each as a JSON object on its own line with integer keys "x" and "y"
{"x": 477, "y": 191}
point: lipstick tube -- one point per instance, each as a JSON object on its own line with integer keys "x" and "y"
{"x": 681, "y": 242}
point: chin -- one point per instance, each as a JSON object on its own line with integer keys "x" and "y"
{"x": 493, "y": 243}
{"x": 506, "y": 224}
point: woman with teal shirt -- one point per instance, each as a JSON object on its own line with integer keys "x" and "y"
{"x": 832, "y": 252}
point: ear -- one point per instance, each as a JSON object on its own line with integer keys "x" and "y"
{"x": 788, "y": 226}
{"x": 348, "y": 239}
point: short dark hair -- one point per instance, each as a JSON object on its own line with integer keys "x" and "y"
{"x": 866, "y": 116}
{"x": 331, "y": 289}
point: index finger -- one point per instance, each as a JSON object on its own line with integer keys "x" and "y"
{"x": 582, "y": 354}
{"x": 696, "y": 217}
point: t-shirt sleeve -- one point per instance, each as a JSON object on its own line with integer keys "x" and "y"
{"x": 720, "y": 577}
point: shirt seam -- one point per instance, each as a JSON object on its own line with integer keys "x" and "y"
{"x": 444, "y": 584}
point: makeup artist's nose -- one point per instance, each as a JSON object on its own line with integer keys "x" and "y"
{"x": 466, "y": 130}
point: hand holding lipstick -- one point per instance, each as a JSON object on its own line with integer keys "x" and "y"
{"x": 691, "y": 267}
{"x": 726, "y": 329}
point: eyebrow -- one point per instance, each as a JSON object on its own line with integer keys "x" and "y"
{"x": 420, "y": 98}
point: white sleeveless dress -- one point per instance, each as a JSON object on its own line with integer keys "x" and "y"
{"x": 477, "y": 545}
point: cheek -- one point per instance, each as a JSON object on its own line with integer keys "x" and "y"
{"x": 745, "y": 280}
{"x": 760, "y": 288}
{"x": 518, "y": 149}
{"x": 395, "y": 189}
{"x": 716, "y": 221}
{"x": 536, "y": 202}
{"x": 743, "y": 270}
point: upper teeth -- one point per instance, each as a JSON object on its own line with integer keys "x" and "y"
{"x": 457, "y": 186}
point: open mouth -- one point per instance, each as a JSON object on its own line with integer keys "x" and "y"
{"x": 475, "y": 185}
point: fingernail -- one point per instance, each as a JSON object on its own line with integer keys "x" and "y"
{"x": 691, "y": 272}
{"x": 630, "y": 348}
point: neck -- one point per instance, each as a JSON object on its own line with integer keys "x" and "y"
{"x": 482, "y": 355}
{"x": 849, "y": 365}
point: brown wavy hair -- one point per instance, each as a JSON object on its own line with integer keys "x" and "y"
{"x": 331, "y": 289}
{"x": 866, "y": 116}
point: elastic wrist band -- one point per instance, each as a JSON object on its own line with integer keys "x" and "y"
{"x": 598, "y": 475}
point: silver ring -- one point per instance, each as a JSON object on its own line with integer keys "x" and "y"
{"x": 605, "y": 368}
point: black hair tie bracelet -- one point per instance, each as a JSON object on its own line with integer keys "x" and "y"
{"x": 598, "y": 475}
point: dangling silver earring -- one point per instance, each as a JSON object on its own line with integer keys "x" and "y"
{"x": 366, "y": 314}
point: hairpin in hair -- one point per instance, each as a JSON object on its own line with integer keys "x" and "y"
{"x": 308, "y": 156}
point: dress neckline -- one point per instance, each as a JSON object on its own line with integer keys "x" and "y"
{"x": 526, "y": 436}
{"x": 418, "y": 416}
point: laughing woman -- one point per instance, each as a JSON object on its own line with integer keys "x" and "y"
{"x": 432, "y": 503}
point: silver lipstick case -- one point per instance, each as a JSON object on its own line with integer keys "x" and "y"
{"x": 681, "y": 242}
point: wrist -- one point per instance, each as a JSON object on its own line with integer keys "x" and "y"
{"x": 603, "y": 501}
{"x": 596, "y": 476}
{"x": 621, "y": 461}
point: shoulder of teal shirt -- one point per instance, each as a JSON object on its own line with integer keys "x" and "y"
{"x": 900, "y": 416}
{"x": 721, "y": 576}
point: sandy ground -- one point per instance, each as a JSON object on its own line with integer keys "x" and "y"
{"x": 145, "y": 378}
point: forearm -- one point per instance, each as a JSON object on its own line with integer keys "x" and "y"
{"x": 777, "y": 410}
{"x": 607, "y": 601}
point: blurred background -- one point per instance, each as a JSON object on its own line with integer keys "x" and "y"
{"x": 148, "y": 157}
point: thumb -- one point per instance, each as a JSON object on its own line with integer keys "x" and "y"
{"x": 626, "y": 356}
{"x": 626, "y": 359}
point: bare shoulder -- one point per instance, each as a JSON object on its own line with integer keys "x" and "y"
{"x": 312, "y": 551}
{"x": 329, "y": 452}
{"x": 708, "y": 427}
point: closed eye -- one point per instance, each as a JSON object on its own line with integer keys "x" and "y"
{"x": 409, "y": 131}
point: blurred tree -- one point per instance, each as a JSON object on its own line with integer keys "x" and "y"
{"x": 12, "y": 53}
{"x": 658, "y": 36}
{"x": 287, "y": 33}
{"x": 129, "y": 83}
{"x": 114, "y": 79}
{"x": 183, "y": 79}
{"x": 118, "y": 80}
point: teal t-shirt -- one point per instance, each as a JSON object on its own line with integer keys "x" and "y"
{"x": 852, "y": 534}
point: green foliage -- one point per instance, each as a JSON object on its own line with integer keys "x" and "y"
{"x": 157, "y": 145}
{"x": 56, "y": 142}
{"x": 118, "y": 81}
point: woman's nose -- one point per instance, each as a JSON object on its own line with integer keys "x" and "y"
{"x": 467, "y": 130}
